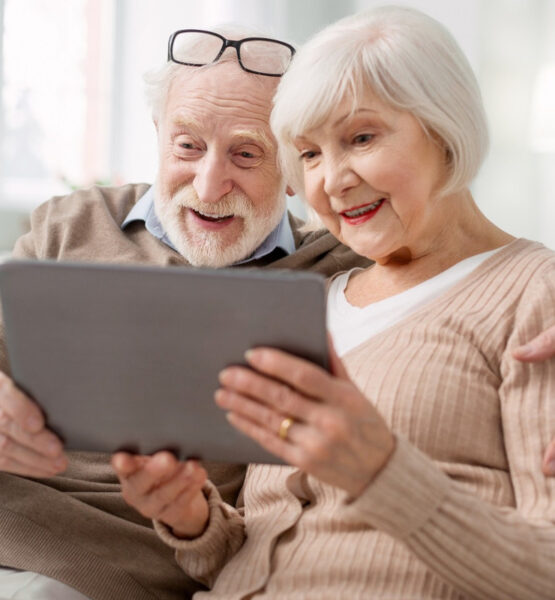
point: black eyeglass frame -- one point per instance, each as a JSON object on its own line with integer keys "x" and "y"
{"x": 225, "y": 44}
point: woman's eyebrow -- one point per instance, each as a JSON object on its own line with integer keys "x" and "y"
{"x": 353, "y": 113}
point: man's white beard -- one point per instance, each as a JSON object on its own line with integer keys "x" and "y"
{"x": 204, "y": 248}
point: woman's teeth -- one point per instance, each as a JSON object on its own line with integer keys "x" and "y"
{"x": 361, "y": 210}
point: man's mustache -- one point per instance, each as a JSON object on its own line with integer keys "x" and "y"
{"x": 233, "y": 203}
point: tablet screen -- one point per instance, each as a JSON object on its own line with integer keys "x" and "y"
{"x": 127, "y": 357}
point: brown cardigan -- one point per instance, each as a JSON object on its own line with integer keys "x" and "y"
{"x": 76, "y": 527}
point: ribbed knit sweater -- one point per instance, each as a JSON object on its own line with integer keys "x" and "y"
{"x": 461, "y": 510}
{"x": 76, "y": 527}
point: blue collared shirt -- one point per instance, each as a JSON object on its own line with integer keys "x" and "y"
{"x": 281, "y": 237}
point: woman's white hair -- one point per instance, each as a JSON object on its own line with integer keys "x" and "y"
{"x": 158, "y": 80}
{"x": 410, "y": 61}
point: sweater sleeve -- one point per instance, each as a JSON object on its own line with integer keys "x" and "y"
{"x": 485, "y": 551}
{"x": 202, "y": 558}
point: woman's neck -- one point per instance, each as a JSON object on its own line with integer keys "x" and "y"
{"x": 464, "y": 232}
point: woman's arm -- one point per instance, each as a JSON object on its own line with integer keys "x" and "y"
{"x": 483, "y": 550}
{"x": 187, "y": 509}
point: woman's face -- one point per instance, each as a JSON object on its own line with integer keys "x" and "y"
{"x": 373, "y": 175}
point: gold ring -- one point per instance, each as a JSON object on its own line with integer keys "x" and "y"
{"x": 284, "y": 427}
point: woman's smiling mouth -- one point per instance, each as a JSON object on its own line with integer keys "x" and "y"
{"x": 361, "y": 214}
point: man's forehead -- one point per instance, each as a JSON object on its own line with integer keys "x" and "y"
{"x": 223, "y": 97}
{"x": 225, "y": 86}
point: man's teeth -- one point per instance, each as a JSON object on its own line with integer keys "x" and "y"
{"x": 212, "y": 217}
{"x": 362, "y": 210}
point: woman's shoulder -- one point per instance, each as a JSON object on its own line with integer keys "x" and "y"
{"x": 523, "y": 260}
{"x": 530, "y": 269}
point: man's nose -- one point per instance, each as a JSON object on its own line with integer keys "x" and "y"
{"x": 339, "y": 176}
{"x": 212, "y": 180}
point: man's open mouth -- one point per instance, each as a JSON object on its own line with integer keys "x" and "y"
{"x": 211, "y": 218}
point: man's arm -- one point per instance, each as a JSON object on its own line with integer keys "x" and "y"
{"x": 541, "y": 347}
{"x": 549, "y": 460}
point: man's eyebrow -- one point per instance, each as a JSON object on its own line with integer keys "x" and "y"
{"x": 187, "y": 123}
{"x": 258, "y": 136}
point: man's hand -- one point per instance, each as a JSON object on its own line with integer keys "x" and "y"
{"x": 549, "y": 460}
{"x": 540, "y": 348}
{"x": 162, "y": 488}
{"x": 26, "y": 446}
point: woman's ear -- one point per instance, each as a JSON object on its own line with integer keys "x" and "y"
{"x": 289, "y": 191}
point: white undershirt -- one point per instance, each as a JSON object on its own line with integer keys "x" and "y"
{"x": 351, "y": 325}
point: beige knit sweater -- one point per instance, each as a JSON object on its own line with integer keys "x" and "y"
{"x": 462, "y": 509}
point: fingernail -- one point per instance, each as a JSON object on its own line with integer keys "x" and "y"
{"x": 526, "y": 350}
{"x": 251, "y": 355}
{"x": 54, "y": 448}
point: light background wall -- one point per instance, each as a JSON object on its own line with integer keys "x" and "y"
{"x": 510, "y": 43}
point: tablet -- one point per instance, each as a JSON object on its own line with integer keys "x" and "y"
{"x": 127, "y": 357}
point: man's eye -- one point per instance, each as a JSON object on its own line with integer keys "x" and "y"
{"x": 247, "y": 158}
{"x": 187, "y": 149}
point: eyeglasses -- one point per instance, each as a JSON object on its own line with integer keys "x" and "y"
{"x": 197, "y": 47}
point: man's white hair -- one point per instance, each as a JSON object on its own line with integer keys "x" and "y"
{"x": 410, "y": 61}
{"x": 158, "y": 80}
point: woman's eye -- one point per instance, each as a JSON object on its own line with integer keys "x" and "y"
{"x": 362, "y": 138}
{"x": 307, "y": 155}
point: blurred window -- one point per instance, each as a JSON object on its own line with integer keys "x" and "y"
{"x": 55, "y": 97}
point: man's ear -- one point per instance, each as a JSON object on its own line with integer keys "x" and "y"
{"x": 289, "y": 191}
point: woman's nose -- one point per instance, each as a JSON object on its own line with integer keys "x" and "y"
{"x": 339, "y": 177}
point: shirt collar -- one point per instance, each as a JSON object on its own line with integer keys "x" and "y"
{"x": 281, "y": 237}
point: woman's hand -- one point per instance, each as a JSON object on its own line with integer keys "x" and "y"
{"x": 336, "y": 434}
{"x": 162, "y": 488}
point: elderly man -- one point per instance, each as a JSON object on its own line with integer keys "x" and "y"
{"x": 218, "y": 201}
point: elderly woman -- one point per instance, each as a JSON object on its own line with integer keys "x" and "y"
{"x": 415, "y": 465}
